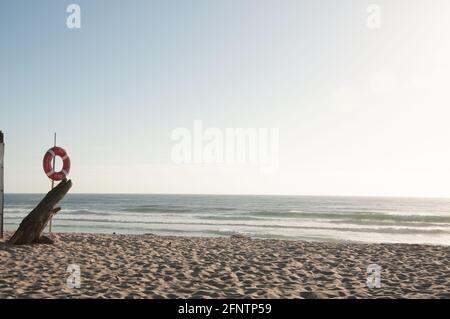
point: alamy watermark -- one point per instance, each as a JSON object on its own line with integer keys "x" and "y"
{"x": 74, "y": 278}
{"x": 373, "y": 21}
{"x": 73, "y": 21}
{"x": 200, "y": 145}
{"x": 373, "y": 276}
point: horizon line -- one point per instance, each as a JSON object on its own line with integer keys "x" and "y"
{"x": 230, "y": 194}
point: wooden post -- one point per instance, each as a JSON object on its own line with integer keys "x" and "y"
{"x": 53, "y": 183}
{"x": 2, "y": 190}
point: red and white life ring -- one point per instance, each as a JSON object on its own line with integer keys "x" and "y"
{"x": 48, "y": 163}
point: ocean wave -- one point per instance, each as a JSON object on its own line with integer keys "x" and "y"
{"x": 356, "y": 216}
{"x": 228, "y": 217}
{"x": 154, "y": 209}
{"x": 99, "y": 223}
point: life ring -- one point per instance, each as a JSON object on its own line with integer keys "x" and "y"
{"x": 48, "y": 163}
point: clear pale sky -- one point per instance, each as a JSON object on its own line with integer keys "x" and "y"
{"x": 360, "y": 111}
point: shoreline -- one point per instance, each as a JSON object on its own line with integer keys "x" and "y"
{"x": 153, "y": 266}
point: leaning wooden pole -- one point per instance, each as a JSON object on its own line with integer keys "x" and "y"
{"x": 32, "y": 226}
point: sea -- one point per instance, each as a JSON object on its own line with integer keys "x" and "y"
{"x": 312, "y": 218}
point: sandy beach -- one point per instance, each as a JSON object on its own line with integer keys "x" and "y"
{"x": 150, "y": 266}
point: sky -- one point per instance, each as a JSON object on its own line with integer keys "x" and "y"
{"x": 360, "y": 111}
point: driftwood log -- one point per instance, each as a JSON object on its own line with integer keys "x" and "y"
{"x": 32, "y": 226}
